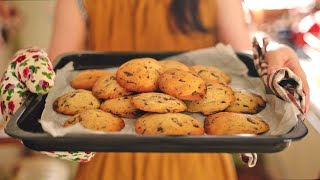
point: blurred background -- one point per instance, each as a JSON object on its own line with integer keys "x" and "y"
{"x": 293, "y": 22}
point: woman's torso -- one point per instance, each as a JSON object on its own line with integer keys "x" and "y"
{"x": 144, "y": 25}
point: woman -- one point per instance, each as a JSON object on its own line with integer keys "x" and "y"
{"x": 153, "y": 25}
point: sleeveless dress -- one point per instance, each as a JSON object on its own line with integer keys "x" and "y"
{"x": 146, "y": 25}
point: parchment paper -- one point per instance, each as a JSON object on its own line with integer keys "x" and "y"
{"x": 280, "y": 115}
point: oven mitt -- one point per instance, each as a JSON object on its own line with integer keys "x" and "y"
{"x": 30, "y": 71}
{"x": 283, "y": 83}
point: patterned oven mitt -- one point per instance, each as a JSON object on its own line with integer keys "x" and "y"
{"x": 283, "y": 83}
{"x": 30, "y": 71}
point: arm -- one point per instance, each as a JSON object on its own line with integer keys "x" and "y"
{"x": 69, "y": 30}
{"x": 231, "y": 26}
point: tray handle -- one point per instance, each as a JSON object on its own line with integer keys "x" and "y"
{"x": 15, "y": 130}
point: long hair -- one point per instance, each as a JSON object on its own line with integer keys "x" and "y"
{"x": 186, "y": 16}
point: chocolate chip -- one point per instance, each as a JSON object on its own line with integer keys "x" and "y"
{"x": 245, "y": 105}
{"x": 175, "y": 120}
{"x": 181, "y": 80}
{"x": 160, "y": 129}
{"x": 223, "y": 102}
{"x": 251, "y": 120}
{"x": 128, "y": 73}
{"x": 72, "y": 121}
{"x": 131, "y": 82}
{"x": 201, "y": 71}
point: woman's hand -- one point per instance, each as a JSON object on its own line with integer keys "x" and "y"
{"x": 279, "y": 56}
{"x": 30, "y": 71}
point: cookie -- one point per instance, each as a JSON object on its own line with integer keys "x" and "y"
{"x": 217, "y": 98}
{"x": 227, "y": 123}
{"x": 246, "y": 102}
{"x": 107, "y": 87}
{"x": 183, "y": 85}
{"x": 122, "y": 107}
{"x": 168, "y": 124}
{"x": 139, "y": 75}
{"x": 158, "y": 102}
{"x": 211, "y": 73}
{"x": 75, "y": 102}
{"x": 98, "y": 120}
{"x": 87, "y": 78}
{"x": 173, "y": 64}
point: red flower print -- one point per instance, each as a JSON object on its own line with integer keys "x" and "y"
{"x": 9, "y": 86}
{"x": 11, "y": 106}
{"x": 44, "y": 84}
{"x": 19, "y": 75}
{"x": 49, "y": 67}
{"x": 33, "y": 50}
{"x": 87, "y": 152}
{"x": 21, "y": 58}
{"x": 2, "y": 107}
{"x": 26, "y": 73}
{"x": 35, "y": 56}
{"x": 83, "y": 160}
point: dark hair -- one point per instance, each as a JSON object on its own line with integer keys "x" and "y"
{"x": 186, "y": 16}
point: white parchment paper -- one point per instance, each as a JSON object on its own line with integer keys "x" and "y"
{"x": 280, "y": 115}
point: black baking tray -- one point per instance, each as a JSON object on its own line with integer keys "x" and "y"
{"x": 25, "y": 126}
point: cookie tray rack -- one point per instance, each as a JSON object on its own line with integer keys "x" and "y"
{"x": 25, "y": 126}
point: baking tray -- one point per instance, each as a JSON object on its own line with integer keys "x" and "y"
{"x": 25, "y": 126}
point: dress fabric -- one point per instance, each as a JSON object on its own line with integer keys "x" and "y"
{"x": 146, "y": 26}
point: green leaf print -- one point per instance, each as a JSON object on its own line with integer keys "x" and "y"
{"x": 10, "y": 92}
{"x": 23, "y": 64}
{"x": 38, "y": 88}
{"x": 76, "y": 159}
{"x": 44, "y": 59}
{"x": 13, "y": 65}
{"x": 8, "y": 98}
{"x": 34, "y": 69}
{"x": 21, "y": 93}
{"x": 33, "y": 81}
{"x": 14, "y": 74}
{"x": 19, "y": 86}
{"x": 5, "y": 91}
{"x": 61, "y": 156}
{"x": 48, "y": 75}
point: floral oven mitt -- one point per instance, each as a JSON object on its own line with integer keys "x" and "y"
{"x": 30, "y": 71}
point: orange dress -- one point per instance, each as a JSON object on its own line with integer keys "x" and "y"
{"x": 145, "y": 25}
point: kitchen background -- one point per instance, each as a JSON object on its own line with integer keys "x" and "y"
{"x": 294, "y": 22}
